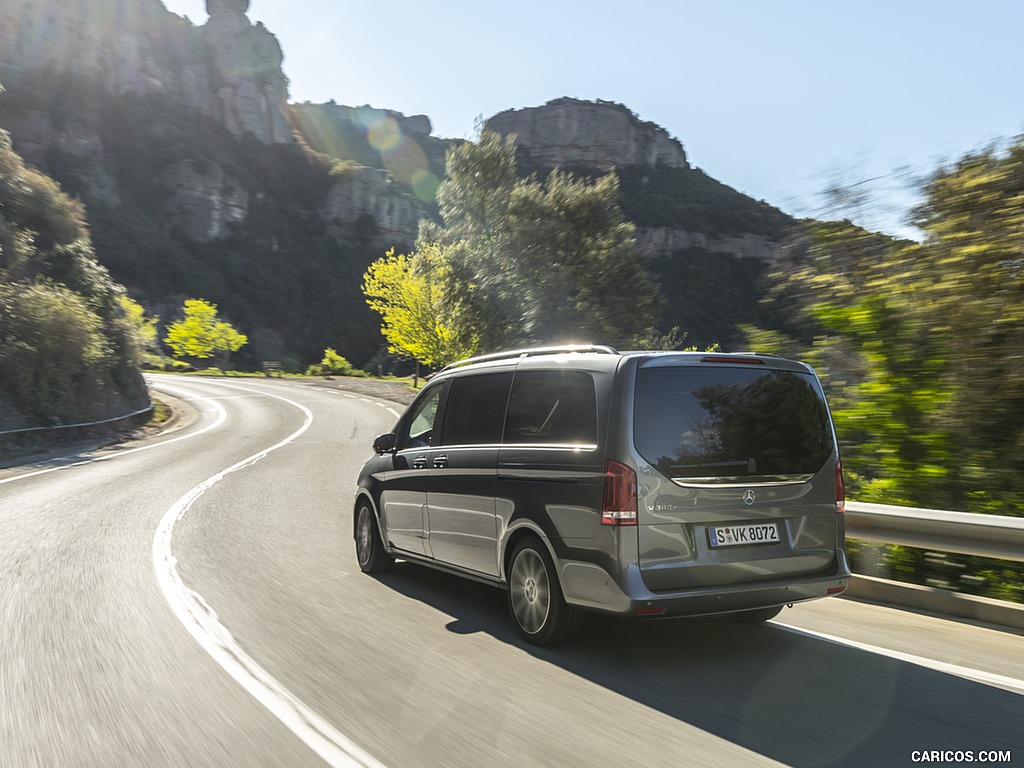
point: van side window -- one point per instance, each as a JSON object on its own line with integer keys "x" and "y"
{"x": 476, "y": 409}
{"x": 553, "y": 407}
{"x": 418, "y": 429}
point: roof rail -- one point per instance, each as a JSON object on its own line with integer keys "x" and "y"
{"x": 521, "y": 353}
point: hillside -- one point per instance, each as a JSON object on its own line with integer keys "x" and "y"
{"x": 200, "y": 179}
{"x": 66, "y": 353}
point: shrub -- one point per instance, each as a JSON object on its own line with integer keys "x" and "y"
{"x": 333, "y": 363}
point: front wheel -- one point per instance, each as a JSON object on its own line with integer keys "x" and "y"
{"x": 370, "y": 550}
{"x": 535, "y": 598}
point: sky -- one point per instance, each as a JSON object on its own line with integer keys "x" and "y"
{"x": 776, "y": 99}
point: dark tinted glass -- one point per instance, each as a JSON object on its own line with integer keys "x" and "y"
{"x": 554, "y": 407}
{"x": 418, "y": 428}
{"x": 730, "y": 424}
{"x": 476, "y": 409}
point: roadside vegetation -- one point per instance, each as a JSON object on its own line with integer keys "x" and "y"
{"x": 69, "y": 352}
{"x": 921, "y": 348}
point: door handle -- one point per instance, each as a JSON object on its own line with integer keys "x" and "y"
{"x": 441, "y": 461}
{"x": 419, "y": 462}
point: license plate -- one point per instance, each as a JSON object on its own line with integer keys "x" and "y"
{"x": 735, "y": 535}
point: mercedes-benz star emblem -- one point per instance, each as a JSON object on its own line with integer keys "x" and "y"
{"x": 749, "y": 497}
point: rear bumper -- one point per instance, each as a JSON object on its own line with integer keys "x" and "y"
{"x": 586, "y": 586}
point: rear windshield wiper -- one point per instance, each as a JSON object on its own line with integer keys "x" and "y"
{"x": 749, "y": 465}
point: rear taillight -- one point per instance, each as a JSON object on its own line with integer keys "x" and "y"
{"x": 619, "y": 504}
{"x": 840, "y": 489}
{"x": 649, "y": 611}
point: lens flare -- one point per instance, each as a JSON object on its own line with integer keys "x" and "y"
{"x": 424, "y": 185}
{"x": 384, "y": 134}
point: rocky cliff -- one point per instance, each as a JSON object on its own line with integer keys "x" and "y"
{"x": 66, "y": 64}
{"x": 367, "y": 201}
{"x": 601, "y": 135}
{"x": 250, "y": 86}
{"x": 228, "y": 69}
{"x": 201, "y": 179}
{"x": 676, "y": 207}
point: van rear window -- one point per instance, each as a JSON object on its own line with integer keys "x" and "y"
{"x": 731, "y": 425}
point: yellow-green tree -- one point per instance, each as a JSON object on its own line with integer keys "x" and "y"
{"x": 418, "y": 315}
{"x": 332, "y": 362}
{"x": 201, "y": 334}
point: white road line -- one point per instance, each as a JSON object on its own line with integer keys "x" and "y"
{"x": 389, "y": 410}
{"x": 202, "y": 622}
{"x": 221, "y": 418}
{"x": 976, "y": 675}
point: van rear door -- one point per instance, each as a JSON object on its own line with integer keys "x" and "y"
{"x": 739, "y": 472}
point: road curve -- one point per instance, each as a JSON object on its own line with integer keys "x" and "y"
{"x": 193, "y": 599}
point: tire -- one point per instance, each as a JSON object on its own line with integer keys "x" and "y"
{"x": 756, "y": 616}
{"x": 535, "y": 600}
{"x": 370, "y": 551}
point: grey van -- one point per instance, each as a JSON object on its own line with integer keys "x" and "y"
{"x": 642, "y": 484}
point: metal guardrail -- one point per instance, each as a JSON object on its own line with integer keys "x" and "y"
{"x": 88, "y": 425}
{"x": 958, "y": 532}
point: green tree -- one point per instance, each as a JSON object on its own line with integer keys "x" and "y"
{"x": 920, "y": 346}
{"x": 201, "y": 334}
{"x": 920, "y": 343}
{"x": 528, "y": 261}
{"x": 973, "y": 219}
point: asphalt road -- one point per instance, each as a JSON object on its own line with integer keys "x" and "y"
{"x": 193, "y": 600}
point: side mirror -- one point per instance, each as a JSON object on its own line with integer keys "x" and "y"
{"x": 384, "y": 443}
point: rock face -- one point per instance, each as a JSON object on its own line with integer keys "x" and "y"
{"x": 601, "y": 135}
{"x": 204, "y": 203}
{"x": 227, "y": 6}
{"x": 36, "y": 137}
{"x": 251, "y": 89}
{"x": 229, "y": 69}
{"x": 661, "y": 241}
{"x": 89, "y": 36}
{"x": 368, "y": 197}
{"x": 366, "y": 116}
